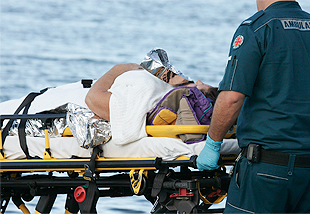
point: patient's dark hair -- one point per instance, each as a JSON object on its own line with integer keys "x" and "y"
{"x": 211, "y": 93}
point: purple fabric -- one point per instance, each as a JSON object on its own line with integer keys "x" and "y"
{"x": 201, "y": 106}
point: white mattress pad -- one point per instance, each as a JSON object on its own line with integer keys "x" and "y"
{"x": 147, "y": 147}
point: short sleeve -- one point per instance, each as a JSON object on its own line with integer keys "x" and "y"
{"x": 243, "y": 62}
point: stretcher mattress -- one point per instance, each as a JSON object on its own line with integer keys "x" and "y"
{"x": 148, "y": 147}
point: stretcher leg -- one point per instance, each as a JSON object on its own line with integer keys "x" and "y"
{"x": 4, "y": 204}
{"x": 20, "y": 204}
{"x": 71, "y": 205}
{"x": 89, "y": 204}
{"x": 45, "y": 203}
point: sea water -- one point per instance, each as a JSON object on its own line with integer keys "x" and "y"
{"x": 48, "y": 43}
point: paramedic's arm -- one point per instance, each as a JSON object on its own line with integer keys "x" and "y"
{"x": 98, "y": 97}
{"x": 225, "y": 113}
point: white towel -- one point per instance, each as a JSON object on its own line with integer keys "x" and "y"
{"x": 134, "y": 93}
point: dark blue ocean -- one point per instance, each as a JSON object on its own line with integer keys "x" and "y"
{"x": 47, "y": 43}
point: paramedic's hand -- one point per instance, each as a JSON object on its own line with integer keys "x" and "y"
{"x": 209, "y": 156}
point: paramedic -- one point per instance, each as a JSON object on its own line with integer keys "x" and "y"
{"x": 266, "y": 86}
{"x": 98, "y": 97}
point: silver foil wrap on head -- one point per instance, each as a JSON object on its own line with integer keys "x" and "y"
{"x": 88, "y": 131}
{"x": 157, "y": 63}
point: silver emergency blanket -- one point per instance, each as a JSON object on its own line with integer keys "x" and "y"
{"x": 157, "y": 63}
{"x": 88, "y": 131}
{"x": 35, "y": 128}
{"x": 98, "y": 132}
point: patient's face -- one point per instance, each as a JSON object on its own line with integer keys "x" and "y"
{"x": 200, "y": 85}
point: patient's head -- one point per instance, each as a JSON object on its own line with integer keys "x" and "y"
{"x": 208, "y": 90}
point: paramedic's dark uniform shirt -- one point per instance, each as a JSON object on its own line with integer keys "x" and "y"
{"x": 270, "y": 63}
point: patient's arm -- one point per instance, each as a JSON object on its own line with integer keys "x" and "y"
{"x": 98, "y": 97}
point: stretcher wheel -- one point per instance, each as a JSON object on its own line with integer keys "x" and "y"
{"x": 80, "y": 194}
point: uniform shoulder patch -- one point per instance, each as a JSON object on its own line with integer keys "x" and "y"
{"x": 252, "y": 19}
{"x": 238, "y": 42}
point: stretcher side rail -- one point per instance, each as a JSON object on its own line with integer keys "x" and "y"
{"x": 102, "y": 164}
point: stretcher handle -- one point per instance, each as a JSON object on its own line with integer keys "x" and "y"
{"x": 191, "y": 162}
{"x": 178, "y": 184}
{"x": 174, "y": 131}
{"x": 190, "y": 185}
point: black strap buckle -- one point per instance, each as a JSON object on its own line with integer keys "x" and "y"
{"x": 88, "y": 174}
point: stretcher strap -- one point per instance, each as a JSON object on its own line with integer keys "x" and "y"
{"x": 91, "y": 166}
{"x": 89, "y": 175}
{"x": 24, "y": 105}
{"x": 22, "y": 134}
{"x": 90, "y": 195}
{"x": 158, "y": 181}
{"x": 30, "y": 97}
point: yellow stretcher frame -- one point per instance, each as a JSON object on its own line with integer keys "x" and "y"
{"x": 137, "y": 166}
{"x": 153, "y": 130}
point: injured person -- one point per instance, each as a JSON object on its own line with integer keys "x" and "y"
{"x": 128, "y": 98}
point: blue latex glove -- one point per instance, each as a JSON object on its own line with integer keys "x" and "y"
{"x": 209, "y": 156}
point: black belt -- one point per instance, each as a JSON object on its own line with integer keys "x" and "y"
{"x": 278, "y": 158}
